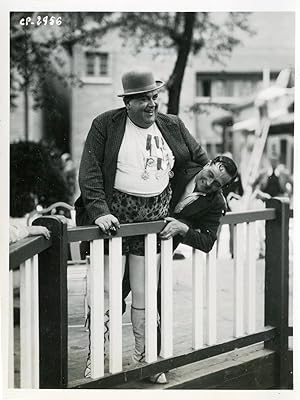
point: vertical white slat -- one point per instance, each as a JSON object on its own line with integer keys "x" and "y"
{"x": 25, "y": 324}
{"x": 35, "y": 323}
{"x": 211, "y": 285}
{"x": 97, "y": 307}
{"x": 75, "y": 251}
{"x": 151, "y": 297}
{"x": 87, "y": 296}
{"x": 22, "y": 327}
{"x": 251, "y": 277}
{"x": 115, "y": 305}
{"x": 166, "y": 298}
{"x": 11, "y": 364}
{"x": 86, "y": 293}
{"x": 74, "y": 246}
{"x": 198, "y": 283}
{"x": 238, "y": 290}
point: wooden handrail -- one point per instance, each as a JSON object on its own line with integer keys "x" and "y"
{"x": 26, "y": 248}
{"x": 249, "y": 216}
{"x": 92, "y": 232}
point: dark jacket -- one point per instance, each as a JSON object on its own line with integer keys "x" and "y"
{"x": 204, "y": 214}
{"x": 99, "y": 159}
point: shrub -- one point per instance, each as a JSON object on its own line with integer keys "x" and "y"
{"x": 36, "y": 177}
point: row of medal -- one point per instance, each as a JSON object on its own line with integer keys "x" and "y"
{"x": 156, "y": 151}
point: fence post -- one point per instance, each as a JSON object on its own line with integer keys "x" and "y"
{"x": 53, "y": 305}
{"x": 277, "y": 283}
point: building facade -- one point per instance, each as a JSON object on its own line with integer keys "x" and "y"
{"x": 206, "y": 88}
{"x": 207, "y": 91}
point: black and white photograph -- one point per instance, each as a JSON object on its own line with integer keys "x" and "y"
{"x": 149, "y": 241}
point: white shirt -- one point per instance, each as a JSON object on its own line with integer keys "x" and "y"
{"x": 144, "y": 161}
{"x": 189, "y": 196}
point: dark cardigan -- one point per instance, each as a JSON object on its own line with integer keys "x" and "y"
{"x": 202, "y": 216}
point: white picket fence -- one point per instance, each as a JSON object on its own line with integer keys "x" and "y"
{"x": 204, "y": 281}
{"x": 29, "y": 326}
{"x": 204, "y": 288}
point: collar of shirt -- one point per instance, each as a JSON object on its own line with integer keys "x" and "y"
{"x": 188, "y": 197}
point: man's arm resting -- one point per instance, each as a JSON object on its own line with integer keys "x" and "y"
{"x": 174, "y": 227}
{"x": 197, "y": 239}
{"x": 91, "y": 176}
{"x": 203, "y": 235}
{"x": 108, "y": 223}
{"x": 192, "y": 237}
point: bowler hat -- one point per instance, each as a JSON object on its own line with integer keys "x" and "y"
{"x": 139, "y": 81}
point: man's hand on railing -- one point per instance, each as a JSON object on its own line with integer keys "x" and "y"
{"x": 108, "y": 223}
{"x": 174, "y": 227}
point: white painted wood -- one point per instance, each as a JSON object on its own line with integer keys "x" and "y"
{"x": 166, "y": 298}
{"x": 35, "y": 323}
{"x": 250, "y": 266}
{"x": 87, "y": 297}
{"x": 11, "y": 363}
{"x": 197, "y": 299}
{"x": 151, "y": 297}
{"x": 75, "y": 251}
{"x": 115, "y": 305}
{"x": 97, "y": 307}
{"x": 25, "y": 325}
{"x": 211, "y": 285}
{"x": 238, "y": 288}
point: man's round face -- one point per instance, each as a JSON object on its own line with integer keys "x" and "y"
{"x": 142, "y": 109}
{"x": 211, "y": 178}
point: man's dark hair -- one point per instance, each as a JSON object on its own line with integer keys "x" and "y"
{"x": 129, "y": 97}
{"x": 126, "y": 99}
{"x": 229, "y": 165}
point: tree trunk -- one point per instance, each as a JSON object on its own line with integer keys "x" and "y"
{"x": 184, "y": 46}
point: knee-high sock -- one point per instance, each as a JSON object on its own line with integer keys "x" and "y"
{"x": 138, "y": 326}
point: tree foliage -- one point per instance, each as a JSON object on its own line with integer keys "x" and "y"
{"x": 184, "y": 33}
{"x": 34, "y": 50}
{"x": 36, "y": 177}
{"x": 41, "y": 52}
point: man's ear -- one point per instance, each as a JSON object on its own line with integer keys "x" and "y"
{"x": 126, "y": 102}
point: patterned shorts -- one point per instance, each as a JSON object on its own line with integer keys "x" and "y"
{"x": 128, "y": 209}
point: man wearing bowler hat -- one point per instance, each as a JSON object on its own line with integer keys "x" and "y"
{"x": 129, "y": 156}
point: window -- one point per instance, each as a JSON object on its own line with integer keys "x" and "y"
{"x": 223, "y": 84}
{"x": 90, "y": 64}
{"x": 206, "y": 88}
{"x": 96, "y": 64}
